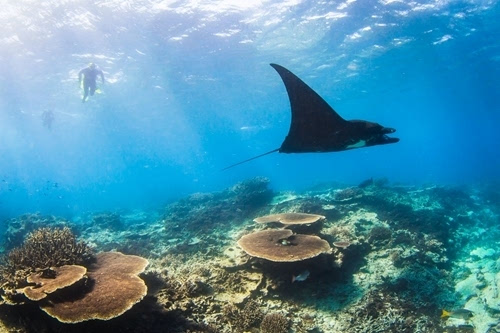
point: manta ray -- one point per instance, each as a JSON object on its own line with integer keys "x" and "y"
{"x": 316, "y": 127}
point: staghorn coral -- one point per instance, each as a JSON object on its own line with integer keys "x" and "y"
{"x": 274, "y": 323}
{"x": 243, "y": 320}
{"x": 42, "y": 249}
{"x": 250, "y": 316}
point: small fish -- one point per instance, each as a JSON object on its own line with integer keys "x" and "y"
{"x": 301, "y": 277}
{"x": 341, "y": 244}
{"x": 460, "y": 314}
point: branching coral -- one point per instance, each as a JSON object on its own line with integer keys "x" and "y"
{"x": 42, "y": 249}
{"x": 377, "y": 312}
{"x": 380, "y": 235}
{"x": 242, "y": 320}
{"x": 274, "y": 323}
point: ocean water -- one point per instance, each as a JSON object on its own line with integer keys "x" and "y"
{"x": 189, "y": 91}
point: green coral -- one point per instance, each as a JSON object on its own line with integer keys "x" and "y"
{"x": 274, "y": 323}
{"x": 43, "y": 248}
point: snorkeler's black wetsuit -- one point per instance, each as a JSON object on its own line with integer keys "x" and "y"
{"x": 89, "y": 80}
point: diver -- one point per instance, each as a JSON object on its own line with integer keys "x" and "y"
{"x": 48, "y": 119}
{"x": 89, "y": 77}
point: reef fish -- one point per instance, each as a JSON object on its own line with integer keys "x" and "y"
{"x": 301, "y": 277}
{"x": 460, "y": 314}
{"x": 341, "y": 244}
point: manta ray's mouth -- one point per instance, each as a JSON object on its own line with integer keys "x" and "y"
{"x": 384, "y": 139}
{"x": 387, "y": 139}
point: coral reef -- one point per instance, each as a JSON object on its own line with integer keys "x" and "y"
{"x": 203, "y": 212}
{"x": 274, "y": 323}
{"x": 116, "y": 287}
{"x": 400, "y": 255}
{"x": 42, "y": 249}
{"x": 348, "y": 194}
{"x": 48, "y": 281}
{"x": 282, "y": 245}
{"x": 290, "y": 218}
{"x": 250, "y": 316}
{"x": 382, "y": 312}
{"x": 17, "y": 228}
{"x": 109, "y": 220}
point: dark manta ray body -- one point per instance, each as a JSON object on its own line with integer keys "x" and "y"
{"x": 316, "y": 127}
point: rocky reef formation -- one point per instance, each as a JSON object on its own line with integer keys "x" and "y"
{"x": 17, "y": 228}
{"x": 394, "y": 258}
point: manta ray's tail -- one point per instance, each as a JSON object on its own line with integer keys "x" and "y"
{"x": 253, "y": 158}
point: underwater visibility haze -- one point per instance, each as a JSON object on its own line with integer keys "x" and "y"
{"x": 189, "y": 91}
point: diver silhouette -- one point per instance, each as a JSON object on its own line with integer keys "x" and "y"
{"x": 48, "y": 119}
{"x": 89, "y": 77}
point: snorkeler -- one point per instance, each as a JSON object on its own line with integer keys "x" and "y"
{"x": 48, "y": 119}
{"x": 89, "y": 77}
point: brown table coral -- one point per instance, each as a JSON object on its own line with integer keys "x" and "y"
{"x": 116, "y": 288}
{"x": 63, "y": 277}
{"x": 290, "y": 218}
{"x": 282, "y": 245}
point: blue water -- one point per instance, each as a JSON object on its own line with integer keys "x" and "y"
{"x": 190, "y": 91}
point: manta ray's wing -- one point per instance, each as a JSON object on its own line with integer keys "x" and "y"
{"x": 315, "y": 126}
